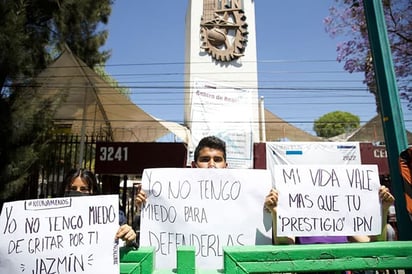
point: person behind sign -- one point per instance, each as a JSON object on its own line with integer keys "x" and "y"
{"x": 82, "y": 182}
{"x": 271, "y": 201}
{"x": 209, "y": 153}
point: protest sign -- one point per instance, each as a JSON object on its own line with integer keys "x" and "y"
{"x": 60, "y": 235}
{"x": 328, "y": 200}
{"x": 204, "y": 208}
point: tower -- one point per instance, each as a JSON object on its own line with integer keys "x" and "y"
{"x": 221, "y": 94}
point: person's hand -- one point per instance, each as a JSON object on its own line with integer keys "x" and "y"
{"x": 140, "y": 199}
{"x": 271, "y": 200}
{"x": 126, "y": 233}
{"x": 386, "y": 197}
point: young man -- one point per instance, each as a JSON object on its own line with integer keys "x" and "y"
{"x": 210, "y": 153}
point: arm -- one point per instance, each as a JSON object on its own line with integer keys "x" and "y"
{"x": 127, "y": 234}
{"x": 387, "y": 200}
{"x": 140, "y": 199}
{"x": 125, "y": 231}
{"x": 271, "y": 202}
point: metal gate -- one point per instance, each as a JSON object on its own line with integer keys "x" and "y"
{"x": 61, "y": 155}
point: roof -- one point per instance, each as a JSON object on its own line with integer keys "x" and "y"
{"x": 108, "y": 112}
{"x": 278, "y": 129}
{"x": 372, "y": 131}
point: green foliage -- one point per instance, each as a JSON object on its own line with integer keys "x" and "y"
{"x": 335, "y": 123}
{"x": 22, "y": 38}
{"x": 28, "y": 118}
{"x": 32, "y": 33}
{"x": 113, "y": 82}
{"x": 77, "y": 26}
{"x": 347, "y": 21}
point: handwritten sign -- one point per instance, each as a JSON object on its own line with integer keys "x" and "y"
{"x": 327, "y": 200}
{"x": 60, "y": 235}
{"x": 205, "y": 208}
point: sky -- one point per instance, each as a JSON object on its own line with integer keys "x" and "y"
{"x": 298, "y": 74}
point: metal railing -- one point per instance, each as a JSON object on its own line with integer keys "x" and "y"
{"x": 396, "y": 255}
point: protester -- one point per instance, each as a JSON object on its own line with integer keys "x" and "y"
{"x": 392, "y": 231}
{"x": 82, "y": 182}
{"x": 140, "y": 198}
{"x": 405, "y": 165}
{"x": 271, "y": 205}
{"x": 209, "y": 153}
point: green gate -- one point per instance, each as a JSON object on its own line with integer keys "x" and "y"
{"x": 280, "y": 258}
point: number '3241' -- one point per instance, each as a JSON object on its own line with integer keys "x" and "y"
{"x": 113, "y": 154}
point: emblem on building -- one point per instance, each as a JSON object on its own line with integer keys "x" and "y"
{"x": 223, "y": 29}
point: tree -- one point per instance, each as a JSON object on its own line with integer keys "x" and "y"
{"x": 31, "y": 33}
{"x": 335, "y": 123}
{"x": 347, "y": 19}
{"x": 28, "y": 119}
{"x": 77, "y": 24}
{"x": 112, "y": 82}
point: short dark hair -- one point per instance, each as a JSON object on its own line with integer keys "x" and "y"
{"x": 211, "y": 142}
{"x": 85, "y": 175}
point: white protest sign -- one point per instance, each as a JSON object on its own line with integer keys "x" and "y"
{"x": 204, "y": 208}
{"x": 328, "y": 200}
{"x": 60, "y": 235}
{"x": 311, "y": 153}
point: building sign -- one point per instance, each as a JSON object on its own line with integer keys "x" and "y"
{"x": 133, "y": 158}
{"x": 227, "y": 113}
{"x": 373, "y": 154}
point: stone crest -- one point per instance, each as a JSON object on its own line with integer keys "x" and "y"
{"x": 223, "y": 29}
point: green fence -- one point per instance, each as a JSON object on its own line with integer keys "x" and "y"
{"x": 279, "y": 258}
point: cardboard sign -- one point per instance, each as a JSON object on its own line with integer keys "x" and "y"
{"x": 60, "y": 235}
{"x": 205, "y": 208}
{"x": 328, "y": 200}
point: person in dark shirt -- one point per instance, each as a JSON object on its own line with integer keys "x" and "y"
{"x": 82, "y": 182}
{"x": 209, "y": 153}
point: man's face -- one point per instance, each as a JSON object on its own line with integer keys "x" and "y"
{"x": 210, "y": 158}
